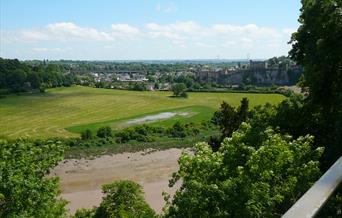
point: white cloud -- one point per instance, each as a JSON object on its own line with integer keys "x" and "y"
{"x": 226, "y": 35}
{"x": 124, "y": 30}
{"x": 193, "y": 30}
{"x": 251, "y": 31}
{"x": 175, "y": 31}
{"x": 64, "y": 32}
{"x": 50, "y": 49}
{"x": 71, "y": 32}
{"x": 205, "y": 40}
{"x": 33, "y": 35}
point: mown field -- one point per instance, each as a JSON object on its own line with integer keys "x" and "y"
{"x": 64, "y": 112}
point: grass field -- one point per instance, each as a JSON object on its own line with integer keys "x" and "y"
{"x": 63, "y": 112}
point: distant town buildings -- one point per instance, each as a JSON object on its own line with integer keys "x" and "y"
{"x": 275, "y": 71}
{"x": 258, "y": 73}
{"x": 121, "y": 76}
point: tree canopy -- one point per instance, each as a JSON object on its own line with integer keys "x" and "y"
{"x": 179, "y": 90}
{"x": 317, "y": 46}
{"x": 16, "y": 76}
{"x": 25, "y": 189}
{"x": 121, "y": 199}
{"x": 245, "y": 180}
{"x": 228, "y": 119}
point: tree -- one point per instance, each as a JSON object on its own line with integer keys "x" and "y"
{"x": 121, "y": 199}
{"x": 242, "y": 179}
{"x": 16, "y": 79}
{"x": 34, "y": 80}
{"x": 229, "y": 119}
{"x": 226, "y": 118}
{"x": 243, "y": 110}
{"x": 25, "y": 191}
{"x": 178, "y": 130}
{"x": 179, "y": 90}
{"x": 87, "y": 134}
{"x": 104, "y": 132}
{"x": 20, "y": 77}
{"x": 138, "y": 86}
{"x": 317, "y": 46}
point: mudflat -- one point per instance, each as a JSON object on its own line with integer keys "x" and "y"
{"x": 81, "y": 179}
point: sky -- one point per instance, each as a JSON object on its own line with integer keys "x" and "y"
{"x": 146, "y": 29}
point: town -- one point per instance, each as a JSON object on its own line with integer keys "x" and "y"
{"x": 275, "y": 71}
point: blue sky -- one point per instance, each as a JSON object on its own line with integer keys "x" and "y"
{"x": 145, "y": 29}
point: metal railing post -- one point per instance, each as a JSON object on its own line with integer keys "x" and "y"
{"x": 313, "y": 200}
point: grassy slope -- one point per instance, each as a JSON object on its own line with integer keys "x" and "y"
{"x": 46, "y": 115}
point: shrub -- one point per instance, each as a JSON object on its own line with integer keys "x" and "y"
{"x": 177, "y": 130}
{"x": 86, "y": 135}
{"x": 104, "y": 132}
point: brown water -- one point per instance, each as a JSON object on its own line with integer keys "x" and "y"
{"x": 81, "y": 180}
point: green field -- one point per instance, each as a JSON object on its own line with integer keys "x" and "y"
{"x": 63, "y": 112}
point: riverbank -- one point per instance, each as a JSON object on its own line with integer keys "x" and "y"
{"x": 81, "y": 179}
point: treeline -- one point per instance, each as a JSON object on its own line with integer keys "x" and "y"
{"x": 105, "y": 136}
{"x": 16, "y": 76}
{"x": 142, "y": 66}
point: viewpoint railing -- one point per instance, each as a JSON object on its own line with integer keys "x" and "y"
{"x": 314, "y": 199}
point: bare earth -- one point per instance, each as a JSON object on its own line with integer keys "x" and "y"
{"x": 81, "y": 180}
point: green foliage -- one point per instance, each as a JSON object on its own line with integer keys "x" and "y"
{"x": 138, "y": 87}
{"x": 142, "y": 133}
{"x": 229, "y": 119}
{"x": 104, "y": 132}
{"x": 86, "y": 135}
{"x": 148, "y": 133}
{"x": 85, "y": 213}
{"x": 20, "y": 77}
{"x": 179, "y": 90}
{"x": 25, "y": 191}
{"x": 122, "y": 199}
{"x": 242, "y": 179}
{"x": 179, "y": 130}
{"x": 317, "y": 46}
{"x": 291, "y": 116}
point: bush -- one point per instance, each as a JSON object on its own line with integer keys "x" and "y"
{"x": 179, "y": 130}
{"x": 143, "y": 133}
{"x": 104, "y": 132}
{"x": 86, "y": 135}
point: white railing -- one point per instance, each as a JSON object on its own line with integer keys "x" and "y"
{"x": 313, "y": 200}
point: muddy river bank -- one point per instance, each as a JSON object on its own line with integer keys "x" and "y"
{"x": 81, "y": 179}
